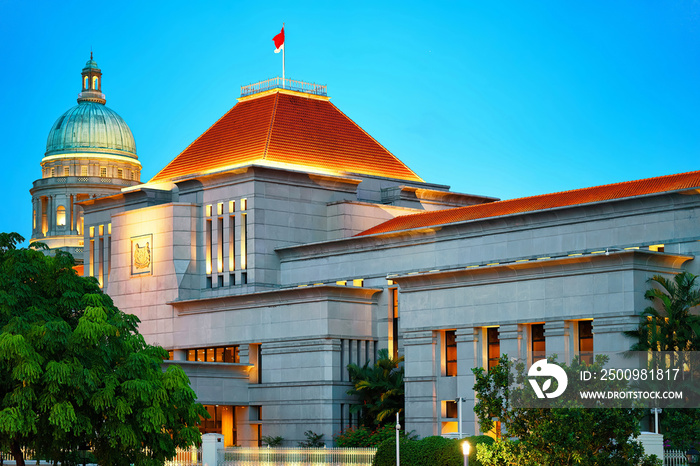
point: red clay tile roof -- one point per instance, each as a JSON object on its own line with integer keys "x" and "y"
{"x": 287, "y": 128}
{"x": 608, "y": 192}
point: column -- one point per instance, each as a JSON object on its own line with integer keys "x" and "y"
{"x": 467, "y": 358}
{"x": 557, "y": 337}
{"x": 510, "y": 336}
{"x": 421, "y": 389}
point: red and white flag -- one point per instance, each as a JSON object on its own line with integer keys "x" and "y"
{"x": 279, "y": 41}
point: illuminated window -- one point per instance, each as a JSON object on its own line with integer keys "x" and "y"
{"x": 657, "y": 247}
{"x": 209, "y": 246}
{"x": 103, "y": 172}
{"x": 101, "y": 230}
{"x": 53, "y": 172}
{"x": 85, "y": 82}
{"x": 66, "y": 171}
{"x": 394, "y": 319}
{"x": 120, "y": 173}
{"x": 244, "y": 204}
{"x": 244, "y": 242}
{"x": 220, "y": 208}
{"x": 493, "y": 345}
{"x": 92, "y": 232}
{"x": 537, "y": 346}
{"x": 94, "y": 83}
{"x": 132, "y": 175}
{"x": 84, "y": 170}
{"x": 358, "y": 282}
{"x": 231, "y": 206}
{"x": 450, "y": 353}
{"x": 231, "y": 241}
{"x": 109, "y": 228}
{"x": 208, "y": 210}
{"x": 220, "y": 247}
{"x": 61, "y": 216}
{"x": 585, "y": 341}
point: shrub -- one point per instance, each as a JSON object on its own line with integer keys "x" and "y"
{"x": 313, "y": 440}
{"x": 430, "y": 451}
{"x": 272, "y": 441}
{"x": 361, "y": 437}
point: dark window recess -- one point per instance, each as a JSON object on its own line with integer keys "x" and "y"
{"x": 494, "y": 346}
{"x": 450, "y": 353}
{"x": 585, "y": 341}
{"x": 538, "y": 343}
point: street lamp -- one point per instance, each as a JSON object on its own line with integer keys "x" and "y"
{"x": 465, "y": 452}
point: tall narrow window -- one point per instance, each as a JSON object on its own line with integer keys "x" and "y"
{"x": 493, "y": 344}
{"x": 72, "y": 218}
{"x": 244, "y": 241}
{"x": 220, "y": 245}
{"x": 209, "y": 246}
{"x": 66, "y": 171}
{"x": 61, "y": 216}
{"x": 394, "y": 322}
{"x": 120, "y": 173}
{"x": 103, "y": 172}
{"x": 53, "y": 172}
{"x": 91, "y": 265}
{"x": 537, "y": 346}
{"x": 85, "y": 82}
{"x": 585, "y": 341}
{"x": 84, "y": 170}
{"x": 450, "y": 353}
{"x": 231, "y": 243}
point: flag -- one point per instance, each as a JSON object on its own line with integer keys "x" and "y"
{"x": 279, "y": 41}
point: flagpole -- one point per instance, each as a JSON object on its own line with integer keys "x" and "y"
{"x": 283, "y": 50}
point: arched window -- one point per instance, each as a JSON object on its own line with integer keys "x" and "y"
{"x": 61, "y": 216}
{"x": 85, "y": 82}
{"x": 94, "y": 82}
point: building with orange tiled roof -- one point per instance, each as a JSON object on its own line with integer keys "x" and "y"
{"x": 285, "y": 243}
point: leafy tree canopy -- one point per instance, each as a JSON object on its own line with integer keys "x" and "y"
{"x": 75, "y": 373}
{"x": 566, "y": 435}
{"x": 379, "y": 388}
{"x": 669, "y": 324}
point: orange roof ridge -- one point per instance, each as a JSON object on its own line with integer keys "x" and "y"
{"x": 621, "y": 190}
{"x": 272, "y": 123}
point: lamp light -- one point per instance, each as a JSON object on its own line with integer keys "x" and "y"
{"x": 465, "y": 452}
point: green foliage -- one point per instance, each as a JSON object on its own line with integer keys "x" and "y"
{"x": 429, "y": 451}
{"x": 313, "y": 440}
{"x": 272, "y": 441}
{"x": 563, "y": 435}
{"x": 74, "y": 370}
{"x": 668, "y": 324}
{"x": 362, "y": 437}
{"x": 379, "y": 389}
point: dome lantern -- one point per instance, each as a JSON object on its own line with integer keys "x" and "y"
{"x": 92, "y": 83}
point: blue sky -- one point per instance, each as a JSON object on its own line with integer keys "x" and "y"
{"x": 506, "y": 99}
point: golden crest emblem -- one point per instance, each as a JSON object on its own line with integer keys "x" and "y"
{"x": 142, "y": 256}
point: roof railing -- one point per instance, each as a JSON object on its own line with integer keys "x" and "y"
{"x": 291, "y": 84}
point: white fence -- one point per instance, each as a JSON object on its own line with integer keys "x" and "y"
{"x": 296, "y": 456}
{"x": 675, "y": 458}
{"x": 189, "y": 457}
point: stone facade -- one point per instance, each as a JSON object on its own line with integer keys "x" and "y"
{"x": 270, "y": 260}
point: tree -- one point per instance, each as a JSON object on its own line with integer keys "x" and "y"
{"x": 75, "y": 372}
{"x": 563, "y": 435}
{"x": 379, "y": 388}
{"x": 669, "y": 325}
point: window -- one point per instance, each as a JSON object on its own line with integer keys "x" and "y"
{"x": 585, "y": 341}
{"x": 66, "y": 171}
{"x": 120, "y": 173}
{"x": 84, "y": 170}
{"x": 215, "y": 354}
{"x": 95, "y": 83}
{"x": 209, "y": 245}
{"x": 537, "y": 346}
{"x": 220, "y": 208}
{"x": 394, "y": 319}
{"x": 53, "y": 172}
{"x": 132, "y": 175}
{"x": 61, "y": 216}
{"x": 103, "y": 172}
{"x": 244, "y": 241}
{"x": 85, "y": 82}
{"x": 493, "y": 345}
{"x": 450, "y": 353}
{"x": 451, "y": 409}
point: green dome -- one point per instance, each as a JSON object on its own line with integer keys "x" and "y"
{"x": 91, "y": 64}
{"x": 91, "y": 127}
